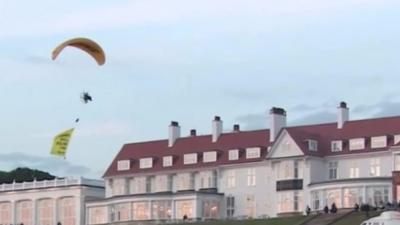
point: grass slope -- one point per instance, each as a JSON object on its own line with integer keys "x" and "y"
{"x": 356, "y": 218}
{"x": 273, "y": 221}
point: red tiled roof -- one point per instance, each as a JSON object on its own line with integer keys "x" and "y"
{"x": 323, "y": 133}
{"x": 158, "y": 149}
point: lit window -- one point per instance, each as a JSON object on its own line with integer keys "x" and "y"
{"x": 146, "y": 163}
{"x": 378, "y": 142}
{"x": 253, "y": 153}
{"x": 231, "y": 179}
{"x": 123, "y": 165}
{"x": 118, "y": 186}
{"x": 208, "y": 179}
{"x": 357, "y": 143}
{"x": 167, "y": 161}
{"x": 312, "y": 145}
{"x": 190, "y": 158}
{"x": 397, "y": 162}
{"x": 333, "y": 170}
{"x": 234, "y": 154}
{"x": 210, "y": 156}
{"x": 251, "y": 177}
{"x": 375, "y": 169}
{"x": 336, "y": 146}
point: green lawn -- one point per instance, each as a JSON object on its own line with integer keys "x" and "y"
{"x": 356, "y": 218}
{"x": 273, "y": 221}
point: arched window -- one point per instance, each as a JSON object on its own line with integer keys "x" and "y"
{"x": 5, "y": 213}
{"x": 46, "y": 212}
{"x": 67, "y": 210}
{"x": 25, "y": 212}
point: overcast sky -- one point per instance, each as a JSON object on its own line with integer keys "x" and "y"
{"x": 185, "y": 60}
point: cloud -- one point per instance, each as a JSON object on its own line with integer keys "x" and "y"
{"x": 55, "y": 166}
{"x": 314, "y": 118}
{"x": 253, "y": 121}
{"x": 380, "y": 109}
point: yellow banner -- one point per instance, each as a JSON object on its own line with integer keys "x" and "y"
{"x": 60, "y": 143}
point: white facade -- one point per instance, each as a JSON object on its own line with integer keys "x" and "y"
{"x": 48, "y": 202}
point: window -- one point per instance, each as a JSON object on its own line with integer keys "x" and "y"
{"x": 230, "y": 206}
{"x": 185, "y": 181}
{"x": 185, "y": 207}
{"x": 298, "y": 172}
{"x": 315, "y": 200}
{"x": 5, "y": 213}
{"x": 234, "y": 154}
{"x": 354, "y": 170}
{"x": 123, "y": 165}
{"x": 333, "y": 170}
{"x": 397, "y": 162}
{"x": 140, "y": 211}
{"x": 351, "y": 196}
{"x": 162, "y": 210}
{"x": 120, "y": 212}
{"x": 146, "y": 163}
{"x": 167, "y": 161}
{"x": 378, "y": 142}
{"x": 357, "y": 143}
{"x": 208, "y": 179}
{"x": 25, "y": 213}
{"x": 210, "y": 209}
{"x": 312, "y": 145}
{"x": 141, "y": 185}
{"x": 336, "y": 146}
{"x": 251, "y": 177}
{"x": 67, "y": 211}
{"x": 162, "y": 183}
{"x": 210, "y": 156}
{"x": 253, "y": 153}
{"x": 98, "y": 215}
{"x": 231, "y": 179}
{"x": 190, "y": 158}
{"x": 119, "y": 186}
{"x": 396, "y": 138}
{"x": 296, "y": 201}
{"x": 46, "y": 211}
{"x": 375, "y": 169}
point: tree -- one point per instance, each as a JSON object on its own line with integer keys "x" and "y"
{"x": 24, "y": 174}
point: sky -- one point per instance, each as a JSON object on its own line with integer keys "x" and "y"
{"x": 187, "y": 61}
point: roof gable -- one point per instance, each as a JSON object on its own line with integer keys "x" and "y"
{"x": 284, "y": 146}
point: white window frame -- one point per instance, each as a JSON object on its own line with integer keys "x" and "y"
{"x": 336, "y": 146}
{"x": 190, "y": 158}
{"x": 210, "y": 156}
{"x": 375, "y": 167}
{"x": 354, "y": 170}
{"x": 167, "y": 161}
{"x": 356, "y": 144}
{"x": 231, "y": 179}
{"x": 379, "y": 142}
{"x": 251, "y": 177}
{"x": 333, "y": 166}
{"x": 233, "y": 154}
{"x": 146, "y": 163}
{"x": 253, "y": 153}
{"x": 312, "y": 145}
{"x": 123, "y": 165}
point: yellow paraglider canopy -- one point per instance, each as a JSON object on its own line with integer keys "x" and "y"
{"x": 85, "y": 44}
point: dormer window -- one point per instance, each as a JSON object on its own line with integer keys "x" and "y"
{"x": 233, "y": 154}
{"x": 253, "y": 153}
{"x": 396, "y": 139}
{"x": 190, "y": 158}
{"x": 312, "y": 145}
{"x": 210, "y": 156}
{"x": 336, "y": 146}
{"x": 167, "y": 161}
{"x": 123, "y": 165}
{"x": 357, "y": 143}
{"x": 146, "y": 163}
{"x": 378, "y": 142}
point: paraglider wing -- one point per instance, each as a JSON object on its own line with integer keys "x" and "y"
{"x": 87, "y": 45}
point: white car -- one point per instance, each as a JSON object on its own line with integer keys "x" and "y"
{"x": 386, "y": 218}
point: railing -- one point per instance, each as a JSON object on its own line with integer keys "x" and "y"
{"x": 58, "y": 182}
{"x": 293, "y": 184}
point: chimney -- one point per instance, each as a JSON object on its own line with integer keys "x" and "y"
{"x": 216, "y": 128}
{"x": 343, "y": 115}
{"x": 192, "y": 132}
{"x": 236, "y": 128}
{"x": 174, "y": 133}
{"x": 277, "y": 120}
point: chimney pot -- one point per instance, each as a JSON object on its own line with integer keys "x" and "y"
{"x": 343, "y": 105}
{"x": 217, "y": 118}
{"x": 174, "y": 123}
{"x": 174, "y": 132}
{"x": 236, "y": 128}
{"x": 192, "y": 132}
{"x": 278, "y": 111}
